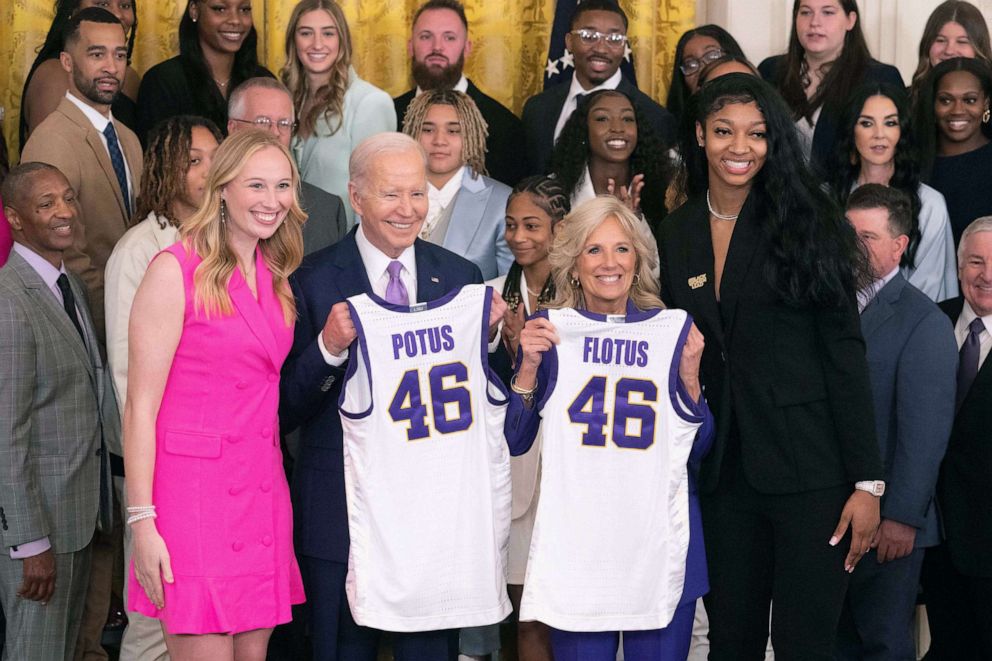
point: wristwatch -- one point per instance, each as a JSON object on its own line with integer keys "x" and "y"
{"x": 874, "y": 487}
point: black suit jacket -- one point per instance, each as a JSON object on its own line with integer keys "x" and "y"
{"x": 506, "y": 134}
{"x": 309, "y": 388}
{"x": 963, "y": 494}
{"x": 793, "y": 382}
{"x": 825, "y": 136}
{"x": 541, "y": 113}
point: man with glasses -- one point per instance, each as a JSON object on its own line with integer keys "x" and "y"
{"x": 265, "y": 103}
{"x": 598, "y": 43}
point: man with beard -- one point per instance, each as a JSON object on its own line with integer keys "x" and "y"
{"x": 437, "y": 48}
{"x": 102, "y": 161}
{"x": 597, "y": 42}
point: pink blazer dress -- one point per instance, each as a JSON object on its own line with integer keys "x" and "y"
{"x": 219, "y": 487}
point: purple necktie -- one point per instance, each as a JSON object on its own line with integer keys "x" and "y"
{"x": 968, "y": 360}
{"x": 395, "y": 289}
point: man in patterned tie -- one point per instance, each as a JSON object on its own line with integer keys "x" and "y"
{"x": 957, "y": 575}
{"x": 101, "y": 158}
{"x": 383, "y": 256}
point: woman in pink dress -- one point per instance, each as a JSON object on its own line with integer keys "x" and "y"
{"x": 210, "y": 327}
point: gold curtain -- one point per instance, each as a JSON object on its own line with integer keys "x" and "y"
{"x": 510, "y": 42}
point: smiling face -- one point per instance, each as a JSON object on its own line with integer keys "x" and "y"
{"x": 122, "y": 9}
{"x": 528, "y": 230}
{"x": 975, "y": 272}
{"x": 318, "y": 44}
{"x": 43, "y": 216}
{"x": 438, "y": 48}
{"x": 441, "y": 137}
{"x": 612, "y": 128}
{"x": 952, "y": 41}
{"x": 96, "y": 61}
{"x": 222, "y": 25}
{"x": 877, "y": 132}
{"x": 391, "y": 200}
{"x": 735, "y": 144}
{"x": 959, "y": 105}
{"x": 821, "y": 26}
{"x": 595, "y": 63}
{"x": 605, "y": 268}
{"x": 259, "y": 197}
{"x": 702, "y": 49}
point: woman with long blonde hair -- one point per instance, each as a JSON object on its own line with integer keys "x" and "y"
{"x": 210, "y": 327}
{"x": 335, "y": 108}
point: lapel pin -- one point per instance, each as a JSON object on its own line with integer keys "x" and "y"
{"x": 435, "y": 279}
{"x": 698, "y": 281}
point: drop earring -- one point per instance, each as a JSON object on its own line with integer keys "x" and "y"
{"x": 223, "y": 212}
{"x": 986, "y": 116}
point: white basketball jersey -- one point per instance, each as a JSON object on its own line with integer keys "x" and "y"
{"x": 609, "y": 546}
{"x": 427, "y": 469}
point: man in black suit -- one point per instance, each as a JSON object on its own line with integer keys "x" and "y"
{"x": 957, "y": 575}
{"x": 437, "y": 48}
{"x": 597, "y": 42}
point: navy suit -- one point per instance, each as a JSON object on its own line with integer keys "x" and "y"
{"x": 912, "y": 363}
{"x": 309, "y": 395}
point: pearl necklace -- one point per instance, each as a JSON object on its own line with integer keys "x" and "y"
{"x": 713, "y": 212}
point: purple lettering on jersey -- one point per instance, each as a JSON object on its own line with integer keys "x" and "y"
{"x": 614, "y": 351}
{"x": 423, "y": 341}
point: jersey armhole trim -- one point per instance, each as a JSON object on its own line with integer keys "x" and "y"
{"x": 360, "y": 344}
{"x": 491, "y": 377}
{"x": 549, "y": 365}
{"x": 682, "y": 403}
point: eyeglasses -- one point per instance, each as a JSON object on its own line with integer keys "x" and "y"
{"x": 691, "y": 65}
{"x": 590, "y": 37}
{"x": 283, "y": 125}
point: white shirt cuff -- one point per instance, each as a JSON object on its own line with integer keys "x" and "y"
{"x": 30, "y": 549}
{"x": 329, "y": 358}
{"x": 495, "y": 343}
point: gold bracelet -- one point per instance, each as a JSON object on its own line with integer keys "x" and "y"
{"x": 522, "y": 391}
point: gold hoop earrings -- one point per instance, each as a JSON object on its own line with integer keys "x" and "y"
{"x": 986, "y": 116}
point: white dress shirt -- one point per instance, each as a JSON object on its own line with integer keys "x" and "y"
{"x": 100, "y": 122}
{"x": 961, "y": 332}
{"x": 572, "y": 100}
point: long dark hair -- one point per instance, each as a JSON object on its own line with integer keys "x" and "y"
{"x": 678, "y": 92}
{"x": 847, "y": 161}
{"x": 841, "y": 77}
{"x": 207, "y": 98}
{"x": 816, "y": 258}
{"x": 571, "y": 154}
{"x": 52, "y": 46}
{"x": 924, "y": 117}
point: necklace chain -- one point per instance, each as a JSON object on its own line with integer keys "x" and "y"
{"x": 721, "y": 216}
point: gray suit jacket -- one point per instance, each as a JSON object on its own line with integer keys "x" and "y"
{"x": 478, "y": 221}
{"x": 327, "y": 222}
{"x": 56, "y": 405}
{"x": 912, "y": 363}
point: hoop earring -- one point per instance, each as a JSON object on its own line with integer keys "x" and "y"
{"x": 986, "y": 116}
{"x": 636, "y": 280}
{"x": 223, "y": 212}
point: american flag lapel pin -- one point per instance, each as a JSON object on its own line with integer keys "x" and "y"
{"x": 435, "y": 279}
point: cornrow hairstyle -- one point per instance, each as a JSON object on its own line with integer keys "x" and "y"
{"x": 548, "y": 194}
{"x": 166, "y": 163}
{"x": 326, "y": 101}
{"x": 52, "y": 46}
{"x": 474, "y": 127}
{"x": 571, "y": 155}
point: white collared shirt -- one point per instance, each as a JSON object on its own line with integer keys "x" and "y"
{"x": 100, "y": 122}
{"x": 460, "y": 86}
{"x": 439, "y": 199}
{"x": 584, "y": 190}
{"x": 961, "y": 332}
{"x": 376, "y": 262}
{"x": 571, "y": 101}
{"x": 866, "y": 295}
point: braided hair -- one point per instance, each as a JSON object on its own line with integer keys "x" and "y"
{"x": 166, "y": 163}
{"x": 474, "y": 127}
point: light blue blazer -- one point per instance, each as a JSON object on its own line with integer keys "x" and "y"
{"x": 478, "y": 221}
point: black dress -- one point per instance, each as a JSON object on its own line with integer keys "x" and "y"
{"x": 166, "y": 91}
{"x": 963, "y": 180}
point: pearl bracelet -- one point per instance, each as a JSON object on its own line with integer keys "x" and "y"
{"x": 134, "y": 518}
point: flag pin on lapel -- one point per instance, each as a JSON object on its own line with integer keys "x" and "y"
{"x": 698, "y": 281}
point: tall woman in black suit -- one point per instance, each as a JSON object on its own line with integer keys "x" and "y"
{"x": 768, "y": 267}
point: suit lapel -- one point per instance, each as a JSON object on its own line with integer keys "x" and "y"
{"x": 745, "y": 239}
{"x": 100, "y": 152}
{"x": 431, "y": 283}
{"x": 699, "y": 259}
{"x": 251, "y": 310}
{"x": 880, "y": 308}
{"x": 353, "y": 278}
{"x": 466, "y": 216}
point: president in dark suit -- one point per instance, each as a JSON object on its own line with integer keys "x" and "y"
{"x": 388, "y": 190}
{"x": 57, "y": 413}
{"x": 597, "y": 42}
{"x": 437, "y": 48}
{"x": 957, "y": 575}
{"x": 912, "y": 363}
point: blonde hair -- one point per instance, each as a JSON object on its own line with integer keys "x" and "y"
{"x": 205, "y": 233}
{"x": 329, "y": 99}
{"x": 474, "y": 127}
{"x": 571, "y": 237}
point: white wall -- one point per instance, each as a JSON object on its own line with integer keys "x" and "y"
{"x": 892, "y": 27}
